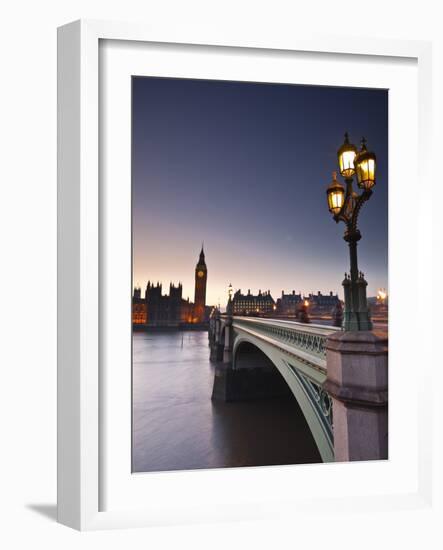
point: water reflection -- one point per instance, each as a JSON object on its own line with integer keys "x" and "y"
{"x": 176, "y": 426}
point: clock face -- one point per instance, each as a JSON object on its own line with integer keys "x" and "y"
{"x": 200, "y": 274}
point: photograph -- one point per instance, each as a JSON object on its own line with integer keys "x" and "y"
{"x": 259, "y": 274}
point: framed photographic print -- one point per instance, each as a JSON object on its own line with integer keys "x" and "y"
{"x": 231, "y": 272}
{"x": 234, "y": 164}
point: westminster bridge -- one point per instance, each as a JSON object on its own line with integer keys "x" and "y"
{"x": 339, "y": 379}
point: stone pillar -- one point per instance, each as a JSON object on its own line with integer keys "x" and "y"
{"x": 229, "y": 334}
{"x": 357, "y": 381}
{"x": 223, "y": 381}
{"x": 211, "y": 330}
{"x": 216, "y": 337}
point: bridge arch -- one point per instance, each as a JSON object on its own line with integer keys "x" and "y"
{"x": 248, "y": 355}
{"x": 248, "y": 348}
{"x": 245, "y": 348}
{"x": 221, "y": 344}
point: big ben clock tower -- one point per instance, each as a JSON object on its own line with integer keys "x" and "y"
{"x": 201, "y": 276}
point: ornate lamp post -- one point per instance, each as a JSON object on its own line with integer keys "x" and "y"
{"x": 229, "y": 336}
{"x": 345, "y": 205}
{"x": 229, "y": 307}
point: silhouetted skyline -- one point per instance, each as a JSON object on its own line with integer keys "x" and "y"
{"x": 244, "y": 167}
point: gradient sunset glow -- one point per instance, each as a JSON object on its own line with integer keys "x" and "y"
{"x": 244, "y": 167}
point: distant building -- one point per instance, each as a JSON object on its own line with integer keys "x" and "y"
{"x": 172, "y": 310}
{"x": 322, "y": 303}
{"x": 201, "y": 278}
{"x": 139, "y": 312}
{"x": 288, "y": 304}
{"x": 165, "y": 309}
{"x": 253, "y": 304}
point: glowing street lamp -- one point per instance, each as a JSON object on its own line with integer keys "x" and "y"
{"x": 345, "y": 205}
{"x": 336, "y": 195}
{"x": 230, "y": 305}
{"x": 365, "y": 167}
{"x": 346, "y": 156}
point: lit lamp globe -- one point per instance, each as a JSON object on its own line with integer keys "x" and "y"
{"x": 336, "y": 195}
{"x": 365, "y": 163}
{"x": 346, "y": 156}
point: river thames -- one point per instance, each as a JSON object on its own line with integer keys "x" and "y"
{"x": 176, "y": 426}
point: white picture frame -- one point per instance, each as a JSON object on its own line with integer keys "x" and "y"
{"x": 80, "y": 368}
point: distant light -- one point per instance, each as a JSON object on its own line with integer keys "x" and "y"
{"x": 381, "y": 294}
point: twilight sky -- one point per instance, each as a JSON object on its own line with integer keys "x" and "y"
{"x": 244, "y": 167}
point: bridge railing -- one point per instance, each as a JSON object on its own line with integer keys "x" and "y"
{"x": 308, "y": 338}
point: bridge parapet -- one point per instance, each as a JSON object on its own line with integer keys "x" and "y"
{"x": 310, "y": 339}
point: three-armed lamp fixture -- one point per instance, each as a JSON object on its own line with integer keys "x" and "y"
{"x": 345, "y": 205}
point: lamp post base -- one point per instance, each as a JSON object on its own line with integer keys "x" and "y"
{"x": 354, "y": 321}
{"x": 356, "y": 315}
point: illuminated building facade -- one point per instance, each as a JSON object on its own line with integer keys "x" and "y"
{"x": 201, "y": 278}
{"x": 139, "y": 311}
{"x": 288, "y": 303}
{"x": 171, "y": 310}
{"x": 323, "y": 302}
{"x": 253, "y": 304}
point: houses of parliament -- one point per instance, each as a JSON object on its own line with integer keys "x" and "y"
{"x": 158, "y": 310}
